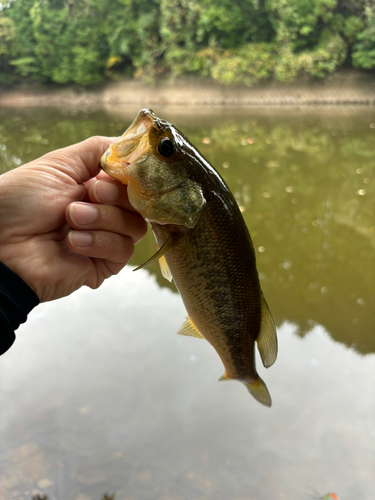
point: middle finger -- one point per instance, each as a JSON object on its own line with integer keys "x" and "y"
{"x": 97, "y": 217}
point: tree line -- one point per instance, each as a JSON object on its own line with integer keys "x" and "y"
{"x": 230, "y": 41}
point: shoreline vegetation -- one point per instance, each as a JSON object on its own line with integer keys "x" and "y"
{"x": 344, "y": 87}
{"x": 229, "y": 43}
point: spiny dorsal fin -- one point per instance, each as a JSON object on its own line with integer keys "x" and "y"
{"x": 267, "y": 339}
{"x": 188, "y": 328}
{"x": 165, "y": 247}
{"x": 164, "y": 268}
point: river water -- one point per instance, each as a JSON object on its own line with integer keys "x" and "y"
{"x": 99, "y": 394}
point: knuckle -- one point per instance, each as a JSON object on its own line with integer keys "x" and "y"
{"x": 97, "y": 142}
{"x": 141, "y": 229}
{"x": 122, "y": 251}
{"x": 94, "y": 139}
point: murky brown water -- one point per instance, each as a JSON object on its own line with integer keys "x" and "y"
{"x": 99, "y": 394}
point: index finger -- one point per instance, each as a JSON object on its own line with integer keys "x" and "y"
{"x": 110, "y": 192}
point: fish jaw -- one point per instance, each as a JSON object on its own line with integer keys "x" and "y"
{"x": 159, "y": 189}
{"x": 129, "y": 149}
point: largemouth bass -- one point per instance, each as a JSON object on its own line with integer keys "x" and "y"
{"x": 203, "y": 244}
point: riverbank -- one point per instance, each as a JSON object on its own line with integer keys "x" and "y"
{"x": 344, "y": 87}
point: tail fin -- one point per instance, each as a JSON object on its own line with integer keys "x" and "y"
{"x": 258, "y": 389}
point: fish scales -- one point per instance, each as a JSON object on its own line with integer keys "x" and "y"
{"x": 213, "y": 268}
{"x": 203, "y": 243}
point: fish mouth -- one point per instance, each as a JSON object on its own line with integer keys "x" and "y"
{"x": 130, "y": 148}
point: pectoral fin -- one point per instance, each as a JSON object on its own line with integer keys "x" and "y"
{"x": 164, "y": 248}
{"x": 267, "y": 339}
{"x": 188, "y": 328}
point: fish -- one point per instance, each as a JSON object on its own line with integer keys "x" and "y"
{"x": 203, "y": 244}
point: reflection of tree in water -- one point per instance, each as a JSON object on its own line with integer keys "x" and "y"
{"x": 306, "y": 183}
{"x": 26, "y": 134}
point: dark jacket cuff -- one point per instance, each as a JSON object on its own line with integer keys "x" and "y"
{"x": 17, "y": 299}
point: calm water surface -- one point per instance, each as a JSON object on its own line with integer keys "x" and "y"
{"x": 98, "y": 394}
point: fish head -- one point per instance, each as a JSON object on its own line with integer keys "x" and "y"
{"x": 156, "y": 162}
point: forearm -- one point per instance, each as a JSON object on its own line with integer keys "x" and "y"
{"x": 16, "y": 301}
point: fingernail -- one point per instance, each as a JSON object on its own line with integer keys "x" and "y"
{"x": 80, "y": 238}
{"x": 105, "y": 192}
{"x": 83, "y": 214}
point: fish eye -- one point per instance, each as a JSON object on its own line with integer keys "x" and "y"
{"x": 166, "y": 148}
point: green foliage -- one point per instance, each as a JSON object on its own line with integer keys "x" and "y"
{"x": 25, "y": 65}
{"x": 364, "y": 49}
{"x": 209, "y": 37}
{"x": 309, "y": 37}
{"x": 326, "y": 56}
{"x": 352, "y": 27}
{"x": 59, "y": 42}
{"x": 247, "y": 65}
{"x": 231, "y": 41}
{"x": 68, "y": 41}
{"x": 8, "y": 36}
{"x": 131, "y": 28}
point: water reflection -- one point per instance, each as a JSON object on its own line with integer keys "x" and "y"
{"x": 305, "y": 183}
{"x": 98, "y": 396}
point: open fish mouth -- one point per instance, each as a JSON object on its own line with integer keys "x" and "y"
{"x": 130, "y": 148}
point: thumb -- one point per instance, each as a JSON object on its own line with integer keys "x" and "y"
{"x": 80, "y": 161}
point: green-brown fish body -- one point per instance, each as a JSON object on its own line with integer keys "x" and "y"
{"x": 204, "y": 244}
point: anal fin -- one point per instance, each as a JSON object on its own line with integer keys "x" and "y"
{"x": 188, "y": 328}
{"x": 267, "y": 339}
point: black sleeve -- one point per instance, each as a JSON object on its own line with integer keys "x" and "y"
{"x": 16, "y": 301}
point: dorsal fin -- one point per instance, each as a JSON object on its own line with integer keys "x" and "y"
{"x": 188, "y": 328}
{"x": 267, "y": 339}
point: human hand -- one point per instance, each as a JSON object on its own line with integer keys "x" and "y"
{"x": 62, "y": 225}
